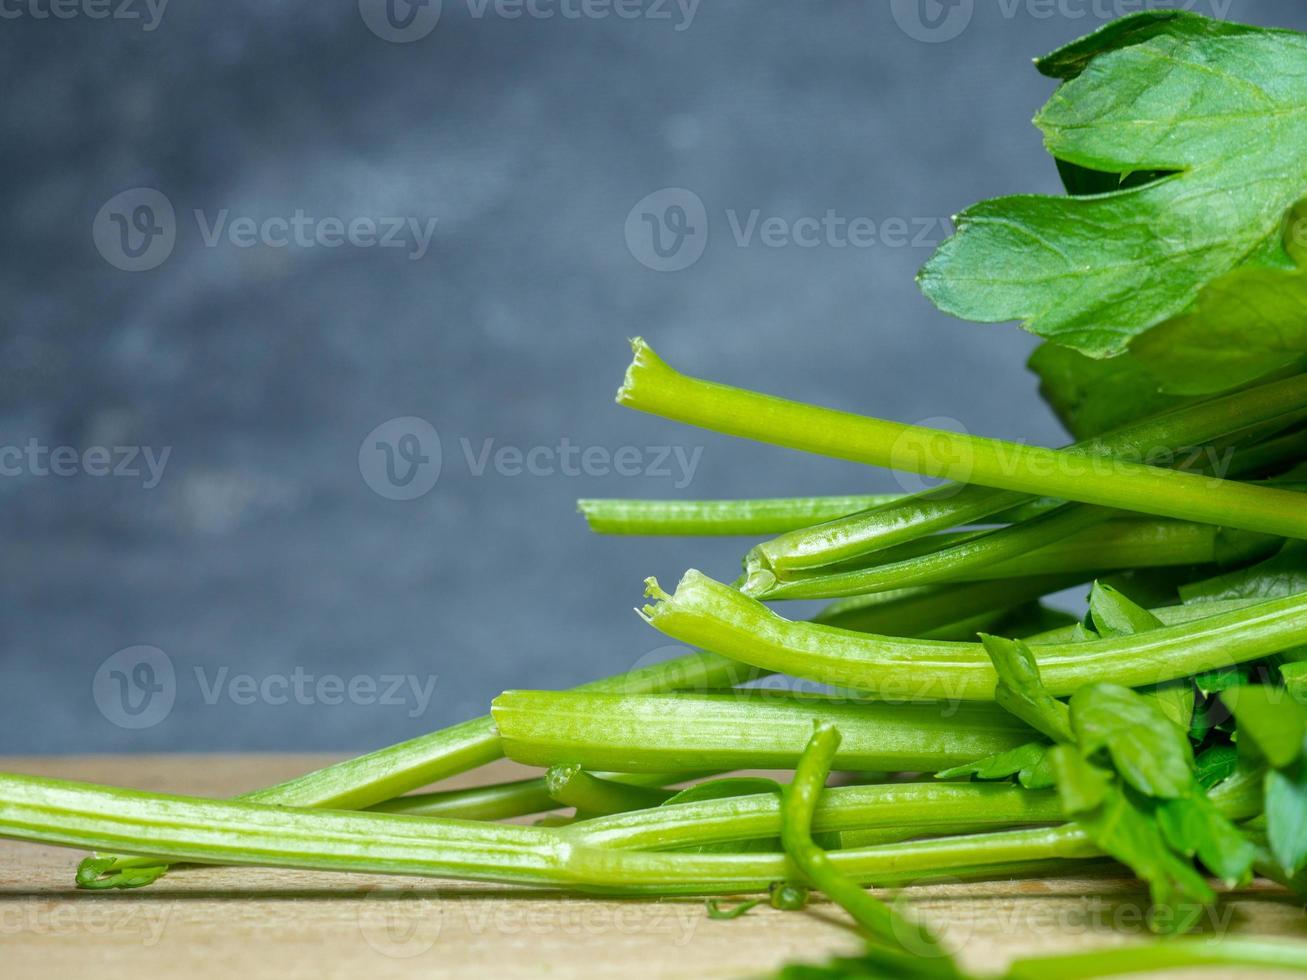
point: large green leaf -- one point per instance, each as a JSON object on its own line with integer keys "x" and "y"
{"x": 1092, "y": 397}
{"x": 1244, "y": 325}
{"x": 1223, "y": 108}
{"x": 1072, "y": 59}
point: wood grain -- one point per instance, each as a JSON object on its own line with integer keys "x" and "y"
{"x": 261, "y": 923}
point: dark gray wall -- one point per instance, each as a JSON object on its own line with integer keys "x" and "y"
{"x": 262, "y": 550}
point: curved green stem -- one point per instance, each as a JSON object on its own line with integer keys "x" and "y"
{"x": 798, "y": 804}
{"x": 713, "y": 615}
{"x": 570, "y": 785}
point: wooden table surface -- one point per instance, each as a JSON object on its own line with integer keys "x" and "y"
{"x": 255, "y": 923}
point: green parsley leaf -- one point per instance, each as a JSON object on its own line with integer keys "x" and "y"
{"x": 1029, "y": 763}
{"x": 1271, "y": 719}
{"x": 1286, "y": 816}
{"x": 1150, "y": 750}
{"x": 1020, "y": 691}
{"x": 1092, "y": 397}
{"x": 1222, "y": 110}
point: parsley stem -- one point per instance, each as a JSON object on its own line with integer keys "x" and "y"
{"x": 720, "y": 517}
{"x": 798, "y": 804}
{"x": 570, "y": 785}
{"x": 503, "y": 801}
{"x": 709, "y": 614}
{"x": 917, "y": 611}
{"x": 914, "y": 808}
{"x": 651, "y": 386}
{"x": 1072, "y": 540}
{"x": 1189, "y": 430}
{"x": 743, "y": 730}
{"x": 1173, "y": 954}
{"x": 236, "y": 832}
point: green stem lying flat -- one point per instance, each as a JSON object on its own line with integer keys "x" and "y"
{"x": 235, "y": 832}
{"x": 707, "y": 613}
{"x": 916, "y": 809}
{"x": 503, "y": 801}
{"x": 720, "y": 518}
{"x": 743, "y": 730}
{"x": 1072, "y": 541}
{"x": 651, "y": 386}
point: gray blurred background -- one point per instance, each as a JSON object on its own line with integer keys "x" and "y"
{"x": 262, "y": 587}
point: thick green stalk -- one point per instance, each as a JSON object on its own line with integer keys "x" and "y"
{"x": 708, "y": 613}
{"x": 798, "y": 803}
{"x": 1069, "y": 542}
{"x": 912, "y": 808}
{"x": 651, "y": 386}
{"x": 743, "y": 730}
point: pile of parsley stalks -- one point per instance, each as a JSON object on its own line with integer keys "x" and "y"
{"x": 915, "y": 578}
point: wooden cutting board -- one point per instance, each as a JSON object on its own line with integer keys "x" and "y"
{"x": 225, "y": 923}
